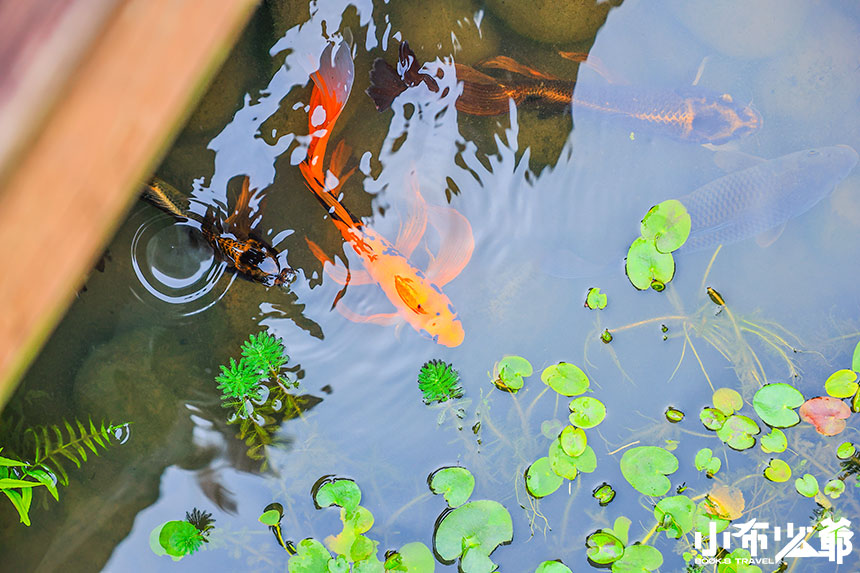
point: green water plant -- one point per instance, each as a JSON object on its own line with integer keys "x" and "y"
{"x": 508, "y": 373}
{"x": 179, "y": 538}
{"x": 595, "y": 300}
{"x": 439, "y": 382}
{"x": 664, "y": 229}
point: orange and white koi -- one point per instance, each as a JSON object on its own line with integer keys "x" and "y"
{"x": 417, "y": 296}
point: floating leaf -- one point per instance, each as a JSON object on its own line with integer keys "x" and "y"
{"x": 413, "y": 557}
{"x": 561, "y": 463}
{"x": 738, "y": 561}
{"x": 606, "y": 336}
{"x": 541, "y": 479}
{"x": 775, "y": 442}
{"x": 834, "y": 488}
{"x": 738, "y": 431}
{"x": 842, "y": 384}
{"x": 725, "y": 502}
{"x": 604, "y": 494}
{"x": 586, "y": 412}
{"x": 727, "y": 401}
{"x": 586, "y": 462}
{"x": 674, "y": 415}
{"x": 271, "y": 517}
{"x": 845, "y": 450}
{"x": 667, "y": 224}
{"x": 705, "y": 460}
{"x": 311, "y": 557}
{"x": 646, "y": 468}
{"x": 638, "y": 559}
{"x": 646, "y": 267}
{"x": 806, "y": 485}
{"x": 439, "y": 382}
{"x": 566, "y": 379}
{"x": 509, "y": 372}
{"x": 827, "y": 414}
{"x": 340, "y": 492}
{"x": 455, "y": 484}
{"x": 595, "y": 299}
{"x": 550, "y": 428}
{"x": 712, "y": 418}
{"x": 777, "y": 471}
{"x": 855, "y": 359}
{"x": 707, "y": 512}
{"x": 573, "y": 440}
{"x": 675, "y": 515}
{"x": 552, "y": 567}
{"x": 603, "y": 547}
{"x": 478, "y": 526}
{"x": 179, "y": 538}
{"x": 775, "y": 403}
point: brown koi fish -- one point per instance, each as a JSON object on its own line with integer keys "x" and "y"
{"x": 232, "y": 239}
{"x": 692, "y": 114}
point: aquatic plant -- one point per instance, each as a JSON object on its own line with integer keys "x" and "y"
{"x": 17, "y": 480}
{"x": 595, "y": 300}
{"x": 664, "y": 229}
{"x": 439, "y": 382}
{"x": 179, "y": 538}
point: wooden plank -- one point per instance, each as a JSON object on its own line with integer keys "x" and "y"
{"x": 62, "y": 199}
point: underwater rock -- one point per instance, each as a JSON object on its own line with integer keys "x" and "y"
{"x": 551, "y": 21}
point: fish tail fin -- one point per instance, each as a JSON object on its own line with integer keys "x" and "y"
{"x": 385, "y": 84}
{"x": 483, "y": 95}
{"x": 511, "y": 65}
{"x": 332, "y": 85}
{"x": 166, "y": 197}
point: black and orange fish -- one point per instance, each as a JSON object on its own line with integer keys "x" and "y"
{"x": 692, "y": 114}
{"x": 233, "y": 238}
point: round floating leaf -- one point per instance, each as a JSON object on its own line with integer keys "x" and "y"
{"x": 738, "y": 561}
{"x": 727, "y": 401}
{"x": 646, "y": 468}
{"x": 775, "y": 403}
{"x": 668, "y": 224}
{"x": 712, "y": 418}
{"x": 674, "y": 415}
{"x": 362, "y": 548}
{"x": 705, "y": 460}
{"x": 311, "y": 557}
{"x": 725, "y": 502}
{"x": 855, "y": 360}
{"x": 179, "y": 538}
{"x": 340, "y": 492}
{"x": 806, "y": 485}
{"x": 541, "y": 479}
{"x": 550, "y": 428}
{"x": 565, "y": 378}
{"x": 509, "y": 372}
{"x": 675, "y": 515}
{"x": 413, "y": 557}
{"x": 478, "y": 526}
{"x": 475, "y": 561}
{"x": 646, "y": 267}
{"x": 774, "y": 442}
{"x": 606, "y": 336}
{"x": 604, "y": 494}
{"x": 552, "y": 567}
{"x": 738, "y": 431}
{"x": 705, "y": 515}
{"x": 842, "y": 384}
{"x": 595, "y": 299}
{"x": 338, "y": 564}
{"x": 834, "y": 488}
{"x": 586, "y": 412}
{"x": 454, "y": 483}
{"x": 777, "y": 471}
{"x": 561, "y": 463}
{"x": 827, "y": 414}
{"x": 603, "y": 547}
{"x": 671, "y": 445}
{"x": 271, "y": 517}
{"x": 586, "y": 462}
{"x": 573, "y": 440}
{"x": 855, "y": 403}
{"x": 638, "y": 559}
{"x": 845, "y": 450}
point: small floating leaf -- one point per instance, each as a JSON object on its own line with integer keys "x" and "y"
{"x": 707, "y": 513}
{"x": 646, "y": 468}
{"x": 604, "y": 494}
{"x": 705, "y": 460}
{"x": 842, "y": 384}
{"x": 550, "y": 428}
{"x": 413, "y": 557}
{"x": 454, "y": 483}
{"x": 541, "y": 480}
{"x": 509, "y": 372}
{"x": 675, "y": 515}
{"x": 712, "y": 418}
{"x": 775, "y": 403}
{"x": 586, "y": 412}
{"x": 638, "y": 559}
{"x": 727, "y": 401}
{"x": 439, "y": 382}
{"x": 586, "y": 462}
{"x": 806, "y": 485}
{"x": 573, "y": 440}
{"x": 603, "y": 547}
{"x": 566, "y": 379}
{"x": 595, "y": 299}
{"x": 179, "y": 538}
{"x": 646, "y": 267}
{"x": 834, "y": 488}
{"x": 845, "y": 450}
{"x": 855, "y": 360}
{"x": 726, "y": 502}
{"x": 777, "y": 471}
{"x": 478, "y": 526}
{"x": 738, "y": 561}
{"x": 311, "y": 557}
{"x": 271, "y": 517}
{"x": 674, "y": 415}
{"x": 552, "y": 567}
{"x": 561, "y": 463}
{"x": 606, "y": 336}
{"x": 340, "y": 492}
{"x": 738, "y": 432}
{"x": 774, "y": 442}
{"x": 826, "y": 413}
{"x": 668, "y": 224}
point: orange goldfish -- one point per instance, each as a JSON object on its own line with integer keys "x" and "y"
{"x": 416, "y": 296}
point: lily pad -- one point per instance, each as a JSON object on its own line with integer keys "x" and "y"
{"x": 454, "y": 483}
{"x": 586, "y": 462}
{"x": 541, "y": 480}
{"x": 573, "y": 440}
{"x": 606, "y": 336}
{"x": 667, "y": 224}
{"x": 586, "y": 412}
{"x": 727, "y": 401}
{"x": 706, "y": 513}
{"x": 603, "y": 547}
{"x": 595, "y": 300}
{"x": 646, "y": 267}
{"x": 845, "y": 450}
{"x": 777, "y": 471}
{"x": 855, "y": 359}
{"x": 509, "y": 372}
{"x": 712, "y": 418}
{"x": 705, "y": 461}
{"x": 566, "y": 379}
{"x": 775, "y": 403}
{"x": 478, "y": 526}
{"x": 552, "y": 567}
{"x": 806, "y": 485}
{"x": 674, "y": 415}
{"x": 675, "y": 515}
{"x": 561, "y": 463}
{"x": 738, "y": 561}
{"x": 725, "y": 502}
{"x": 413, "y": 557}
{"x": 826, "y": 413}
{"x": 271, "y": 517}
{"x": 738, "y": 431}
{"x": 834, "y": 488}
{"x": 646, "y": 468}
{"x": 340, "y": 492}
{"x": 604, "y": 494}
{"x": 842, "y": 384}
{"x": 775, "y": 442}
{"x": 311, "y": 557}
{"x": 176, "y": 539}
{"x": 550, "y": 428}
{"x": 638, "y": 559}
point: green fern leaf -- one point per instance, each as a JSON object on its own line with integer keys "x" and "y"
{"x": 50, "y": 452}
{"x": 439, "y": 382}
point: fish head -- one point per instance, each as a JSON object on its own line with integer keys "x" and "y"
{"x": 817, "y": 171}
{"x": 260, "y": 262}
{"x": 444, "y": 328}
{"x": 717, "y": 119}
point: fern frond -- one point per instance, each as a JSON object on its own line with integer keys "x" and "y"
{"x": 51, "y": 445}
{"x": 438, "y": 381}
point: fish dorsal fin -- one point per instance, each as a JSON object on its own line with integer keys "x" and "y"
{"x": 769, "y": 237}
{"x": 409, "y": 294}
{"x": 730, "y": 160}
{"x": 511, "y": 65}
{"x": 239, "y": 221}
{"x": 416, "y": 222}
{"x": 595, "y": 64}
{"x": 482, "y": 95}
{"x": 457, "y": 244}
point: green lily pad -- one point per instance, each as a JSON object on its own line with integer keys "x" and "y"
{"x": 727, "y": 401}
{"x": 671, "y": 445}
{"x": 712, "y": 418}
{"x": 845, "y": 450}
{"x": 834, "y": 488}
{"x": 842, "y": 384}
{"x": 413, "y": 557}
{"x": 541, "y": 479}
{"x": 603, "y": 547}
{"x": 777, "y": 471}
{"x": 667, "y": 224}
{"x": 561, "y": 463}
{"x": 675, "y": 515}
{"x": 705, "y": 516}
{"x": 855, "y": 359}
{"x": 595, "y": 299}
{"x": 737, "y": 562}
{"x": 775, "y": 403}
{"x": 586, "y": 412}
{"x": 646, "y": 468}
{"x": 566, "y": 379}
{"x": 855, "y": 403}
{"x": 478, "y": 526}
{"x": 706, "y": 461}
{"x": 573, "y": 440}
{"x": 738, "y": 431}
{"x": 586, "y": 462}
{"x": 604, "y": 494}
{"x": 806, "y": 485}
{"x": 509, "y": 372}
{"x": 271, "y": 517}
{"x": 550, "y": 428}
{"x": 311, "y": 557}
{"x": 638, "y": 559}
{"x": 552, "y": 567}
{"x": 646, "y": 267}
{"x": 474, "y": 560}
{"x": 340, "y": 492}
{"x": 674, "y": 415}
{"x": 775, "y": 442}
{"x": 176, "y": 539}
{"x": 606, "y": 336}
{"x": 454, "y": 483}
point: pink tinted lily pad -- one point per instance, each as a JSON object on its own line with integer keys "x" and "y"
{"x": 826, "y": 413}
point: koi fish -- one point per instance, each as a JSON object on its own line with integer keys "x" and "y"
{"x": 693, "y": 114}
{"x": 416, "y": 296}
{"x": 232, "y": 239}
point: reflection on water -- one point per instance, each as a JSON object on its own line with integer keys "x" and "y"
{"x": 551, "y": 195}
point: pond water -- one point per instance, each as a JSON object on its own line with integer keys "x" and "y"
{"x": 553, "y": 195}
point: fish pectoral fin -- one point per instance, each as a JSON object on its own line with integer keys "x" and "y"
{"x": 339, "y": 274}
{"x": 458, "y": 243}
{"x": 382, "y": 319}
{"x": 511, "y": 65}
{"x": 482, "y": 95}
{"x": 595, "y": 64}
{"x": 732, "y": 160}
{"x": 416, "y": 223}
{"x": 770, "y": 236}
